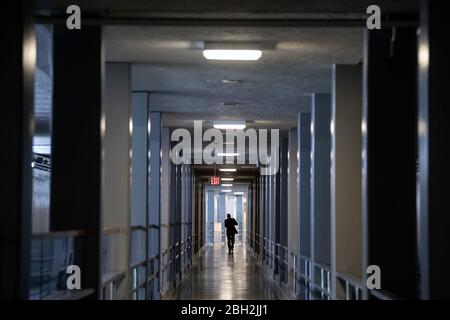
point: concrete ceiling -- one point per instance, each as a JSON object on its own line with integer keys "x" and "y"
{"x": 184, "y": 86}
{"x": 167, "y": 62}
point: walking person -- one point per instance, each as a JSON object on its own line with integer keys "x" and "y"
{"x": 230, "y": 224}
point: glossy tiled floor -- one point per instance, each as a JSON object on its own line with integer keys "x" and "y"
{"x": 219, "y": 275}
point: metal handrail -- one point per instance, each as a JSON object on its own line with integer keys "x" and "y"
{"x": 353, "y": 286}
{"x": 272, "y": 250}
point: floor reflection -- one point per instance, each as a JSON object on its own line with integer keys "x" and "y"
{"x": 221, "y": 276}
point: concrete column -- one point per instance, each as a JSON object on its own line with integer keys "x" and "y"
{"x": 276, "y": 221}
{"x": 292, "y": 192}
{"x": 303, "y": 194}
{"x": 272, "y": 197}
{"x": 320, "y": 181}
{"x": 154, "y": 187}
{"x": 239, "y": 215}
{"x": 239, "y": 209}
{"x": 116, "y": 173}
{"x": 77, "y": 137}
{"x": 210, "y": 209}
{"x": 139, "y": 169}
{"x": 283, "y": 230}
{"x": 201, "y": 195}
{"x": 390, "y": 157}
{"x": 434, "y": 152}
{"x": 261, "y": 218}
{"x": 183, "y": 206}
{"x": 304, "y": 186}
{"x": 173, "y": 220}
{"x": 165, "y": 205}
{"x": 189, "y": 189}
{"x": 195, "y": 213}
{"x": 346, "y": 162}
{"x": 17, "y": 78}
{"x": 221, "y": 214}
{"x": 178, "y": 221}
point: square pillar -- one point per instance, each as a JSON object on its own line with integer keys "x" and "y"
{"x": 116, "y": 174}
{"x": 210, "y": 210}
{"x": 434, "y": 152}
{"x": 320, "y": 182}
{"x": 18, "y": 56}
{"x": 292, "y": 203}
{"x": 390, "y": 157}
{"x": 77, "y": 150}
{"x": 153, "y": 206}
{"x": 304, "y": 189}
{"x": 165, "y": 205}
{"x": 283, "y": 209}
{"x": 346, "y": 190}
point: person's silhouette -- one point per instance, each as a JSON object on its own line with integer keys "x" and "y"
{"x": 230, "y": 224}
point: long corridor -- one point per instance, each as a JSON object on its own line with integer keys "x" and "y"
{"x": 218, "y": 275}
{"x": 138, "y": 134}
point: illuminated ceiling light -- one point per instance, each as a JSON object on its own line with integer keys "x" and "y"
{"x": 228, "y": 154}
{"x": 227, "y": 179}
{"x": 225, "y": 190}
{"x": 231, "y": 81}
{"x": 227, "y": 184}
{"x": 232, "y": 54}
{"x": 239, "y": 193}
{"x": 228, "y": 169}
{"x": 232, "y": 125}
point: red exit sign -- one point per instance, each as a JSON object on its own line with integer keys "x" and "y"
{"x": 214, "y": 181}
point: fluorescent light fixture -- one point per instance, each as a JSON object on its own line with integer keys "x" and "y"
{"x": 232, "y": 54}
{"x": 227, "y": 184}
{"x": 225, "y": 190}
{"x": 239, "y": 193}
{"x": 227, "y": 179}
{"x": 228, "y": 154}
{"x": 232, "y": 125}
{"x": 228, "y": 169}
{"x": 231, "y": 81}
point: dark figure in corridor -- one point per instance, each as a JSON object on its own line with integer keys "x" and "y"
{"x": 230, "y": 224}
